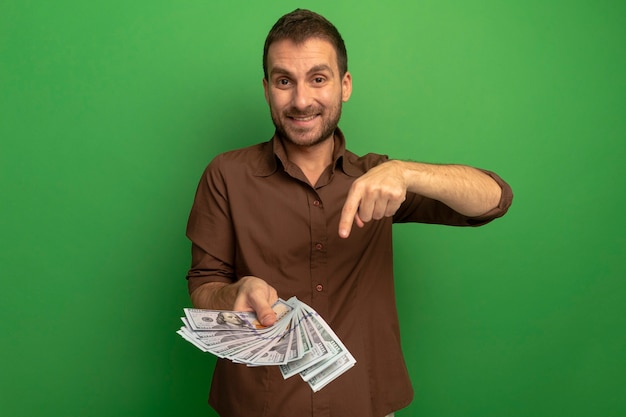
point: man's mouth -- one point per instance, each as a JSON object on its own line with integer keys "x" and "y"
{"x": 303, "y": 118}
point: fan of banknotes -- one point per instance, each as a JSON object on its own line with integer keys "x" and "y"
{"x": 300, "y": 342}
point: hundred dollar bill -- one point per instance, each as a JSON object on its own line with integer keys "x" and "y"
{"x": 317, "y": 352}
{"x": 200, "y": 319}
{"x": 331, "y": 341}
{"x": 191, "y": 339}
{"x": 244, "y": 346}
{"x": 235, "y": 347}
{"x": 274, "y": 353}
{"x": 330, "y": 373}
{"x": 287, "y": 347}
{"x": 296, "y": 348}
{"x": 213, "y": 339}
{"x": 299, "y": 342}
{"x": 306, "y": 342}
{"x": 269, "y": 349}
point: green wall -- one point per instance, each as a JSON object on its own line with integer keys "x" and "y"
{"x": 110, "y": 111}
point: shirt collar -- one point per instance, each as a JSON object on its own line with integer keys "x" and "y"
{"x": 274, "y": 155}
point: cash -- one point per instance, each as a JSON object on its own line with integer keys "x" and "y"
{"x": 300, "y": 342}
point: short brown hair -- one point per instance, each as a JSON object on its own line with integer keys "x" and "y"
{"x": 301, "y": 25}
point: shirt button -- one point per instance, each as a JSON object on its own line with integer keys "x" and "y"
{"x": 317, "y": 203}
{"x": 319, "y": 287}
{"x": 319, "y": 246}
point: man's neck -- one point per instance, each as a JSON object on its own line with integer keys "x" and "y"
{"x": 312, "y": 160}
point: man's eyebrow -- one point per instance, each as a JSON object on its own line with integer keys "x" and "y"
{"x": 321, "y": 68}
{"x": 279, "y": 70}
{"x": 314, "y": 69}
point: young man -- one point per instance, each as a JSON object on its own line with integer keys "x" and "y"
{"x": 277, "y": 219}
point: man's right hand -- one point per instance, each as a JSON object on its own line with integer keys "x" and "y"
{"x": 248, "y": 294}
{"x": 254, "y": 294}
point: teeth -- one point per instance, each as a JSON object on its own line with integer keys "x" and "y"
{"x": 304, "y": 119}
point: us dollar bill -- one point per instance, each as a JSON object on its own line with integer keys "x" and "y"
{"x": 299, "y": 343}
{"x": 202, "y": 320}
{"x": 330, "y": 373}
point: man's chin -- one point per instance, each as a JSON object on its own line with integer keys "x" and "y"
{"x": 305, "y": 139}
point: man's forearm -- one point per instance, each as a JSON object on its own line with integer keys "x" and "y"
{"x": 214, "y": 296}
{"x": 465, "y": 189}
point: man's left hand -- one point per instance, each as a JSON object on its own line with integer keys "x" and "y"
{"x": 376, "y": 194}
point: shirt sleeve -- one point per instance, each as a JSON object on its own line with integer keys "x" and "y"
{"x": 210, "y": 230}
{"x": 420, "y": 209}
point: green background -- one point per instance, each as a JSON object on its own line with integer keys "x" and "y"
{"x": 111, "y": 110}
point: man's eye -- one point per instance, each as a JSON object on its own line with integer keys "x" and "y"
{"x": 318, "y": 80}
{"x": 283, "y": 81}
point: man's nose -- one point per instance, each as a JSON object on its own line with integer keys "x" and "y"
{"x": 302, "y": 97}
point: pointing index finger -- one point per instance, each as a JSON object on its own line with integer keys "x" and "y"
{"x": 349, "y": 214}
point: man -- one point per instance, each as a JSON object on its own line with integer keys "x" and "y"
{"x": 276, "y": 219}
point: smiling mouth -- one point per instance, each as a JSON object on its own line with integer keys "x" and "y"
{"x": 303, "y": 118}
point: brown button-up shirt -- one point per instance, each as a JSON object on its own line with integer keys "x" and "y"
{"x": 256, "y": 214}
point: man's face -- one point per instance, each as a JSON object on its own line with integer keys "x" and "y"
{"x": 305, "y": 91}
{"x": 232, "y": 318}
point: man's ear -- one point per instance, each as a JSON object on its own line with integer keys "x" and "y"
{"x": 266, "y": 89}
{"x": 346, "y": 87}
